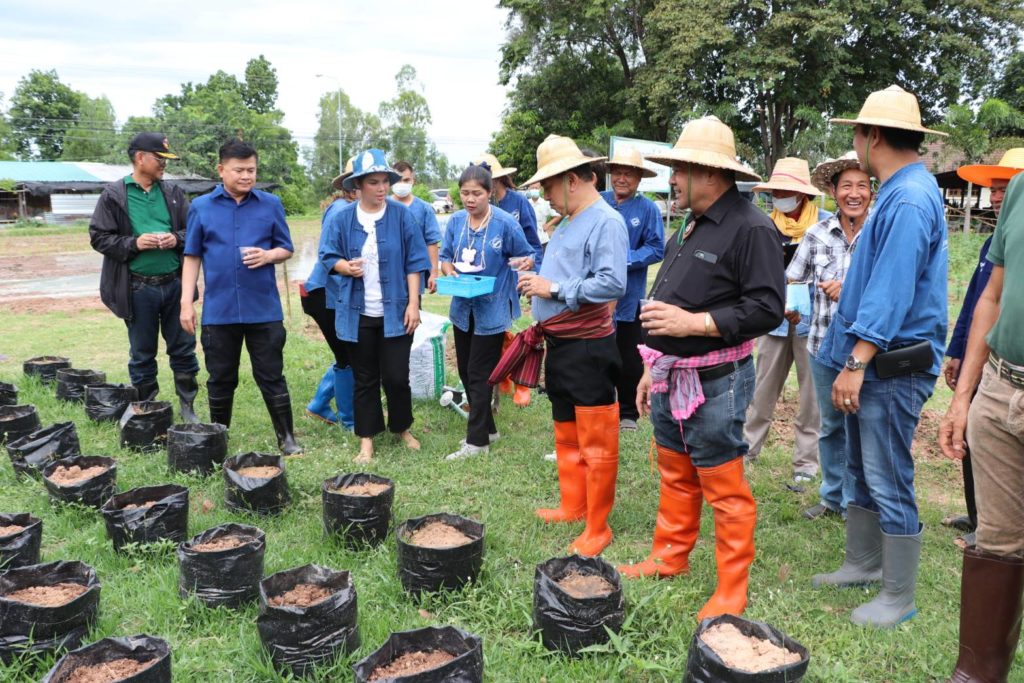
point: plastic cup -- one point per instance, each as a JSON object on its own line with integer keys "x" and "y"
{"x": 521, "y": 273}
{"x": 644, "y": 302}
{"x": 242, "y": 251}
{"x": 515, "y": 262}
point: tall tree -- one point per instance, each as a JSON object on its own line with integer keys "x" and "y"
{"x": 93, "y": 136}
{"x": 1009, "y": 87}
{"x": 405, "y": 118}
{"x": 260, "y": 88}
{"x": 359, "y": 130}
{"x": 7, "y": 144}
{"x": 42, "y": 109}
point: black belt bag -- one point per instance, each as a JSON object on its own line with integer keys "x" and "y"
{"x": 905, "y": 360}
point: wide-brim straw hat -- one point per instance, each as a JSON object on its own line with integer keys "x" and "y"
{"x": 337, "y": 182}
{"x": 1010, "y": 165}
{"x": 893, "y": 107}
{"x": 823, "y": 173}
{"x": 497, "y": 170}
{"x": 556, "y": 155}
{"x": 705, "y": 142}
{"x": 369, "y": 162}
{"x": 631, "y": 158}
{"x": 789, "y": 175}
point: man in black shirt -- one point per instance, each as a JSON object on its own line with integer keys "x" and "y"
{"x": 720, "y": 287}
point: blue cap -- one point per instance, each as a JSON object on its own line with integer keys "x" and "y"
{"x": 370, "y": 161}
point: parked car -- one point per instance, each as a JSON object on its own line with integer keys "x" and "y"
{"x": 442, "y": 201}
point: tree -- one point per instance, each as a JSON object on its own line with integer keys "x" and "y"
{"x": 1010, "y": 87}
{"x": 42, "y": 110}
{"x": 405, "y": 118}
{"x": 93, "y": 136}
{"x": 973, "y": 133}
{"x": 359, "y": 130}
{"x": 7, "y": 144}
{"x": 260, "y": 89}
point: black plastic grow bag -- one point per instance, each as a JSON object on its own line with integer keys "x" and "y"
{"x": 20, "y": 549}
{"x": 92, "y": 492}
{"x": 144, "y": 424}
{"x": 166, "y": 519}
{"x": 105, "y": 402}
{"x": 569, "y": 623}
{"x": 35, "y": 450}
{"x": 360, "y": 520}
{"x": 432, "y": 569}
{"x": 45, "y": 367}
{"x": 228, "y": 577}
{"x": 704, "y": 666}
{"x": 467, "y": 667}
{"x": 140, "y": 648}
{"x": 8, "y": 394}
{"x": 265, "y": 496}
{"x": 71, "y": 383}
{"x": 196, "y": 447}
{"x": 17, "y": 421}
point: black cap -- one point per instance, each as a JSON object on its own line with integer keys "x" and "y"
{"x": 151, "y": 142}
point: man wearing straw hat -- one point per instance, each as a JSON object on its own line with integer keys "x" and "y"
{"x": 886, "y": 340}
{"x": 646, "y": 247}
{"x": 720, "y": 287}
{"x": 793, "y": 213}
{"x": 582, "y": 277}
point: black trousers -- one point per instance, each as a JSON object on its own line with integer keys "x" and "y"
{"x": 314, "y": 304}
{"x": 378, "y": 360}
{"x": 476, "y": 356}
{"x": 627, "y": 338}
{"x": 580, "y": 372}
{"x": 222, "y": 351}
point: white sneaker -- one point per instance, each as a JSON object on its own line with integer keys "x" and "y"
{"x": 466, "y": 451}
{"x": 551, "y": 457}
{"x": 491, "y": 438}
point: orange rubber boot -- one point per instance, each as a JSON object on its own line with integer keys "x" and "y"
{"x": 598, "y": 429}
{"x": 678, "y": 524}
{"x": 572, "y": 477}
{"x": 726, "y": 490}
{"x": 522, "y": 396}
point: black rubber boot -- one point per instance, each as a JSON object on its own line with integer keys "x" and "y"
{"x": 280, "y": 409}
{"x": 186, "y": 387}
{"x": 220, "y": 409}
{"x": 148, "y": 390}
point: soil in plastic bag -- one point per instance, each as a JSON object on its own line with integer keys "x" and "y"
{"x": 144, "y": 425}
{"x": 85, "y": 479}
{"x": 105, "y": 402}
{"x": 33, "y": 627}
{"x": 17, "y": 421}
{"x": 256, "y": 482}
{"x": 8, "y": 394}
{"x": 308, "y": 616}
{"x": 21, "y": 536}
{"x": 146, "y": 515}
{"x": 71, "y": 383}
{"x": 45, "y": 367}
{"x": 35, "y": 450}
{"x": 222, "y": 565}
{"x": 703, "y": 665}
{"x": 465, "y": 649}
{"x": 357, "y": 507}
{"x": 431, "y": 569}
{"x": 196, "y": 447}
{"x": 131, "y": 659}
{"x": 574, "y": 599}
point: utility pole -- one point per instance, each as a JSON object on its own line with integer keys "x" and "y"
{"x": 341, "y": 153}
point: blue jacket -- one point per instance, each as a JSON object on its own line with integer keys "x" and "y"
{"x": 979, "y": 280}
{"x": 319, "y": 278}
{"x": 519, "y": 206}
{"x": 401, "y": 252}
{"x": 895, "y": 292}
{"x": 501, "y": 240}
{"x": 646, "y": 247}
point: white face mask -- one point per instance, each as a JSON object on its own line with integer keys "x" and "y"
{"x": 534, "y": 194}
{"x": 402, "y": 189}
{"x": 786, "y": 204}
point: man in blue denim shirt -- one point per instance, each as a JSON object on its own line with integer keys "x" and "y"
{"x": 894, "y": 296}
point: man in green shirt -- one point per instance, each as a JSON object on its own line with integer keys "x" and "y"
{"x": 139, "y": 227}
{"x": 993, "y": 423}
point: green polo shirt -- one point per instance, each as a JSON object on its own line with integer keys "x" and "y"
{"x": 1007, "y": 250}
{"x": 148, "y": 213}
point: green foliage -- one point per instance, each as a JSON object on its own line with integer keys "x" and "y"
{"x": 422, "y": 190}
{"x": 453, "y": 192}
{"x": 1010, "y": 87}
{"x": 42, "y": 109}
{"x": 296, "y": 198}
{"x": 7, "y": 145}
{"x": 93, "y": 136}
{"x": 359, "y": 131}
{"x": 972, "y": 133}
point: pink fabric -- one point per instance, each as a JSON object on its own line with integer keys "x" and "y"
{"x": 686, "y": 393}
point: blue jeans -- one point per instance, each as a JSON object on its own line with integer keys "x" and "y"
{"x": 156, "y": 309}
{"x": 878, "y": 438}
{"x": 836, "y": 488}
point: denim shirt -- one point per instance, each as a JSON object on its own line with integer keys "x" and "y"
{"x": 587, "y": 258}
{"x": 401, "y": 252}
{"x": 979, "y": 280}
{"x": 319, "y": 278}
{"x": 521, "y": 209}
{"x": 803, "y": 328}
{"x": 646, "y": 247}
{"x": 894, "y": 294}
{"x": 501, "y": 240}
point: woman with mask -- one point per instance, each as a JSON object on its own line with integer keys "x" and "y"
{"x": 423, "y": 216}
{"x": 482, "y": 239}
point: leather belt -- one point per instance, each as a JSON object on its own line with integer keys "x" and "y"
{"x": 719, "y": 371}
{"x": 156, "y": 279}
{"x": 1014, "y": 374}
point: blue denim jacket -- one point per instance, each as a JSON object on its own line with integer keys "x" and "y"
{"x": 894, "y": 294}
{"x": 401, "y": 252}
{"x": 502, "y": 239}
{"x": 319, "y": 278}
{"x": 646, "y": 247}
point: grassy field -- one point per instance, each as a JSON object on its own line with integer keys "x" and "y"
{"x": 140, "y": 589}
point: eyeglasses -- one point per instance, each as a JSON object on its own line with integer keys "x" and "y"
{"x": 159, "y": 159}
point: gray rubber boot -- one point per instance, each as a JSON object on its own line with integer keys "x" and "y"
{"x": 894, "y": 604}
{"x": 863, "y": 562}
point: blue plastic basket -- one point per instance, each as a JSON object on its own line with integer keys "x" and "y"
{"x": 466, "y": 286}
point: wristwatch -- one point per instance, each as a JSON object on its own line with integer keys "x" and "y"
{"x": 554, "y": 289}
{"x": 854, "y": 365}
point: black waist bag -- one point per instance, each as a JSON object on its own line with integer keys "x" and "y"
{"x": 904, "y": 360}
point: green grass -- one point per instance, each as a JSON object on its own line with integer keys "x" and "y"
{"x": 140, "y": 590}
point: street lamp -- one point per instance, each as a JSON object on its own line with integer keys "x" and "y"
{"x": 341, "y": 154}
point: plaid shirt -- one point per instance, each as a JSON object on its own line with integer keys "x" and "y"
{"x": 824, "y": 254}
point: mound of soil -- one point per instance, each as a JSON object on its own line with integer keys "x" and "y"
{"x": 65, "y": 476}
{"x": 303, "y": 595}
{"x": 585, "y": 585}
{"x": 10, "y": 530}
{"x": 746, "y": 653}
{"x": 412, "y": 663}
{"x": 47, "y": 596}
{"x": 262, "y": 472}
{"x": 369, "y": 488}
{"x": 108, "y": 672}
{"x": 136, "y": 506}
{"x": 222, "y": 543}
{"x": 438, "y": 535}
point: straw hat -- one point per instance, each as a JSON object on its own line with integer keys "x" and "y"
{"x": 497, "y": 170}
{"x": 630, "y": 157}
{"x": 557, "y": 155}
{"x": 369, "y": 162}
{"x": 705, "y": 142}
{"x": 336, "y": 183}
{"x": 823, "y": 173}
{"x": 1010, "y": 165}
{"x": 893, "y": 107}
{"x": 789, "y": 175}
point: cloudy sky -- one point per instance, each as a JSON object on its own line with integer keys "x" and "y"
{"x": 134, "y": 52}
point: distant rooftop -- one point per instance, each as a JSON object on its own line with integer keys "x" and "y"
{"x": 71, "y": 172}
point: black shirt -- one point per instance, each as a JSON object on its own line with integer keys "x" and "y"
{"x": 730, "y": 265}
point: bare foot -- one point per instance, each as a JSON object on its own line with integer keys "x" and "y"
{"x": 365, "y": 451}
{"x": 410, "y": 441}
